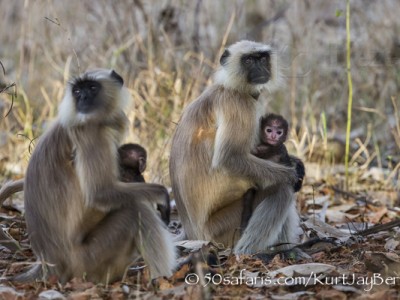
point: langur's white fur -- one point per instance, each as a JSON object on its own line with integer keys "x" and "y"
{"x": 67, "y": 113}
{"x": 230, "y": 74}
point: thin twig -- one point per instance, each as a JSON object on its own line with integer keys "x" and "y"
{"x": 2, "y": 66}
{"x": 196, "y": 23}
{"x": 30, "y": 141}
{"x": 14, "y": 94}
{"x": 58, "y": 23}
{"x": 379, "y": 227}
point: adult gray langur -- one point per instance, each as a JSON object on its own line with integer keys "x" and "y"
{"x": 211, "y": 166}
{"x": 81, "y": 220}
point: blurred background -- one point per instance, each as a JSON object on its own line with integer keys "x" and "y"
{"x": 167, "y": 52}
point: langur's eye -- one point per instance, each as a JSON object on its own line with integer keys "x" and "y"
{"x": 263, "y": 59}
{"x": 279, "y": 132}
{"x": 76, "y": 91}
{"x": 93, "y": 88}
{"x": 248, "y": 61}
{"x": 269, "y": 130}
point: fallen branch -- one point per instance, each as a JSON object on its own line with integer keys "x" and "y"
{"x": 379, "y": 227}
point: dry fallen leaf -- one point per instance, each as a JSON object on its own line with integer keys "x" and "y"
{"x": 391, "y": 244}
{"x": 331, "y": 295}
{"x": 51, "y": 295}
{"x": 8, "y": 293}
{"x": 339, "y": 217}
{"x": 77, "y": 284}
{"x": 193, "y": 245}
{"x": 164, "y": 284}
{"x": 292, "y": 296}
{"x": 377, "y": 215}
{"x": 323, "y": 229}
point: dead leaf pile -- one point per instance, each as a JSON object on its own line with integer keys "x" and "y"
{"x": 349, "y": 250}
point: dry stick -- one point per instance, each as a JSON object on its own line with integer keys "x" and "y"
{"x": 196, "y": 23}
{"x": 30, "y": 141}
{"x": 12, "y": 97}
{"x": 139, "y": 5}
{"x": 2, "y": 67}
{"x": 347, "y": 194}
{"x": 225, "y": 37}
{"x": 7, "y": 87}
{"x": 379, "y": 227}
{"x": 57, "y": 22}
{"x": 397, "y": 123}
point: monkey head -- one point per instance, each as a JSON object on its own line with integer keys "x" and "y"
{"x": 133, "y": 156}
{"x": 273, "y": 129}
{"x": 248, "y": 67}
{"x": 95, "y": 96}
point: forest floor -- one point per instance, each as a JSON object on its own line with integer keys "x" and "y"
{"x": 350, "y": 250}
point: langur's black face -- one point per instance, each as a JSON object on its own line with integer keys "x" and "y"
{"x": 85, "y": 93}
{"x": 257, "y": 67}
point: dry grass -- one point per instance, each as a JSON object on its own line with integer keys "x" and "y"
{"x": 166, "y": 51}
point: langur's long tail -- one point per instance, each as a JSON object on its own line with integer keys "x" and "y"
{"x": 9, "y": 188}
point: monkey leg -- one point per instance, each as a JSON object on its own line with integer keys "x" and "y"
{"x": 268, "y": 221}
{"x": 105, "y": 252}
{"x": 247, "y": 211}
{"x": 290, "y": 230}
{"x": 165, "y": 210}
{"x": 110, "y": 239}
{"x": 223, "y": 226}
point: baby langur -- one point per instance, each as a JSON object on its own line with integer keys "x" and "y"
{"x": 81, "y": 219}
{"x": 273, "y": 133}
{"x": 132, "y": 164}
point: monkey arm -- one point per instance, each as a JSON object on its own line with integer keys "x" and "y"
{"x": 265, "y": 173}
{"x": 300, "y": 171}
{"x": 123, "y": 194}
{"x": 261, "y": 151}
{"x": 232, "y": 151}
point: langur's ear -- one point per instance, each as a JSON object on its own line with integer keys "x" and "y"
{"x": 224, "y": 57}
